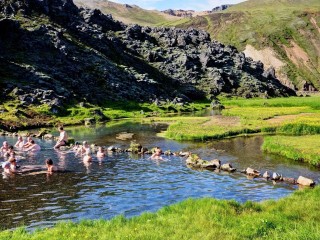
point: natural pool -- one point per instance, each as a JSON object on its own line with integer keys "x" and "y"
{"x": 127, "y": 184}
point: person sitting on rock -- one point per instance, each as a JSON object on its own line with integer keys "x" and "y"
{"x": 19, "y": 144}
{"x": 28, "y": 143}
{"x": 50, "y": 167}
{"x": 101, "y": 153}
{"x": 63, "y": 138}
{"x": 33, "y": 147}
{"x": 4, "y": 148}
{"x": 157, "y": 153}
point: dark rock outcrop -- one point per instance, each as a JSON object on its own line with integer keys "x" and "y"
{"x": 54, "y": 53}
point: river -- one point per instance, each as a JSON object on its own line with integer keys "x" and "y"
{"x": 122, "y": 183}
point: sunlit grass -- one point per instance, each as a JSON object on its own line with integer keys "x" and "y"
{"x": 302, "y": 148}
{"x": 294, "y": 217}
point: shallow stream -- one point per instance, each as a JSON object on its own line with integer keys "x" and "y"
{"x": 122, "y": 183}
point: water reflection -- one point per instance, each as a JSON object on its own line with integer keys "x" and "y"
{"x": 123, "y": 183}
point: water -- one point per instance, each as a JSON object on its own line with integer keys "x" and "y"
{"x": 127, "y": 184}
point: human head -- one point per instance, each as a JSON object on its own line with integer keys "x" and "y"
{"x": 20, "y": 138}
{"x": 5, "y": 143}
{"x": 100, "y": 149}
{"x": 32, "y": 141}
{"x": 60, "y": 128}
{"x": 84, "y": 143}
{"x": 12, "y": 160}
{"x": 10, "y": 147}
{"x": 49, "y": 161}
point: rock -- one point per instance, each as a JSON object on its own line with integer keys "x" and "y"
{"x": 71, "y": 141}
{"x": 289, "y": 180}
{"x": 266, "y": 175}
{"x": 251, "y": 172}
{"x": 227, "y": 167}
{"x": 48, "y": 136}
{"x": 184, "y": 154}
{"x": 42, "y": 132}
{"x": 89, "y": 121}
{"x": 213, "y": 164}
{"x": 111, "y": 149}
{"x": 276, "y": 177}
{"x": 124, "y": 136}
{"x": 196, "y": 162}
{"x": 305, "y": 181}
{"x": 215, "y": 104}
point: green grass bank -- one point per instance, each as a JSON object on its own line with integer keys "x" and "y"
{"x": 301, "y": 148}
{"x": 294, "y": 217}
{"x": 291, "y": 116}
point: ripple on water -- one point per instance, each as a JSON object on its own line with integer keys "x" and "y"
{"x": 129, "y": 185}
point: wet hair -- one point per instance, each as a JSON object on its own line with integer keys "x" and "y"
{"x": 32, "y": 141}
{"x": 10, "y": 147}
{"x": 49, "y": 161}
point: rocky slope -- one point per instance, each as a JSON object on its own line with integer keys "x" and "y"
{"x": 53, "y": 53}
{"x": 288, "y": 29}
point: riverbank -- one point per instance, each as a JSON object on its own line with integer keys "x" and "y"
{"x": 293, "y": 217}
{"x": 301, "y": 148}
{"x": 13, "y": 117}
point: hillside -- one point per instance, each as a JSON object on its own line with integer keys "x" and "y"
{"x": 54, "y": 54}
{"x": 285, "y": 34}
{"x": 128, "y": 13}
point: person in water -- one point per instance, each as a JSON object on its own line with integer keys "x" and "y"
{"x": 101, "y": 152}
{"x": 4, "y": 148}
{"x": 33, "y": 147}
{"x": 85, "y": 148}
{"x": 87, "y": 157}
{"x": 10, "y": 152}
{"x": 19, "y": 144}
{"x": 28, "y": 143}
{"x": 10, "y": 166}
{"x": 63, "y": 138}
{"x": 50, "y": 167}
{"x": 157, "y": 153}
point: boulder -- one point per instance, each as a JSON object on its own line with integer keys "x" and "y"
{"x": 227, "y": 167}
{"x": 266, "y": 175}
{"x": 89, "y": 121}
{"x": 276, "y": 177}
{"x": 252, "y": 172}
{"x": 289, "y": 180}
{"x": 305, "y": 181}
{"x": 48, "y": 136}
{"x": 111, "y": 149}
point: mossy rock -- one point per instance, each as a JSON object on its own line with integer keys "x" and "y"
{"x": 71, "y": 141}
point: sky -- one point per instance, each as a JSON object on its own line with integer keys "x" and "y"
{"x": 197, "y": 5}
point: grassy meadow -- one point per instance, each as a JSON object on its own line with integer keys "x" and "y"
{"x": 299, "y": 148}
{"x": 293, "y": 217}
{"x": 292, "y": 116}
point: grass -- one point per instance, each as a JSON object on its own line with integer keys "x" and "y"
{"x": 302, "y": 148}
{"x": 294, "y": 217}
{"x": 74, "y": 114}
{"x": 292, "y": 116}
